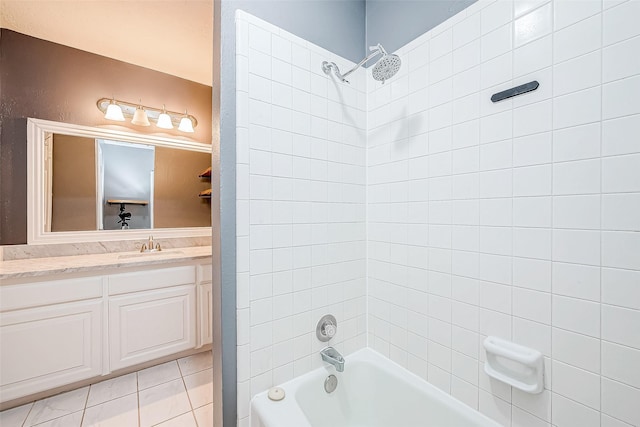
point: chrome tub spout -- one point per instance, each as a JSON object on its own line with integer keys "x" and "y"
{"x": 333, "y": 356}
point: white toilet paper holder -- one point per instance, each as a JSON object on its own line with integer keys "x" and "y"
{"x": 514, "y": 364}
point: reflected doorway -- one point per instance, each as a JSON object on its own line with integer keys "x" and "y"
{"x": 125, "y": 185}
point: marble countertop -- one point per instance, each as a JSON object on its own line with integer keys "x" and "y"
{"x": 34, "y": 267}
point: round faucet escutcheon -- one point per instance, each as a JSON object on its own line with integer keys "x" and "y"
{"x": 326, "y": 328}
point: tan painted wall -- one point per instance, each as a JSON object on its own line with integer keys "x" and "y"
{"x": 74, "y": 184}
{"x": 176, "y": 201}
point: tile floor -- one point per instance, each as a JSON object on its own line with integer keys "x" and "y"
{"x": 175, "y": 394}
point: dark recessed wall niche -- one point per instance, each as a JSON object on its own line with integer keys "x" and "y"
{"x": 50, "y": 81}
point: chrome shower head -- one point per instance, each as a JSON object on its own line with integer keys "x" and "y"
{"x": 386, "y": 67}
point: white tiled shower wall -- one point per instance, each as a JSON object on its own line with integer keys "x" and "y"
{"x": 519, "y": 219}
{"x": 301, "y": 192}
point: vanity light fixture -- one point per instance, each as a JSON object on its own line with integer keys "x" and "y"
{"x": 114, "y": 112}
{"x": 164, "y": 121}
{"x": 142, "y": 115}
{"x": 186, "y": 125}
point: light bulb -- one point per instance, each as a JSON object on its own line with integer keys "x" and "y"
{"x": 114, "y": 112}
{"x": 164, "y": 120}
{"x": 140, "y": 117}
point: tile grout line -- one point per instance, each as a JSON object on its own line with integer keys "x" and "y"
{"x": 84, "y": 407}
{"x": 600, "y": 395}
{"x": 23, "y": 424}
{"x": 138, "y": 398}
{"x": 551, "y": 200}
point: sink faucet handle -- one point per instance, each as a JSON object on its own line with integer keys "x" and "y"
{"x": 158, "y": 248}
{"x": 143, "y": 247}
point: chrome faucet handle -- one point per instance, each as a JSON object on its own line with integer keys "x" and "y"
{"x": 326, "y": 328}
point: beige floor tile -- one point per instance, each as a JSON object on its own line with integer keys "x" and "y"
{"x": 121, "y": 412}
{"x": 200, "y": 388}
{"x": 111, "y": 389}
{"x": 158, "y": 374}
{"x": 196, "y": 363}
{"x": 57, "y": 406}
{"x": 204, "y": 415}
{"x": 163, "y": 402}
{"x": 155, "y": 396}
{"x": 15, "y": 417}
{"x": 71, "y": 420}
{"x": 184, "y": 420}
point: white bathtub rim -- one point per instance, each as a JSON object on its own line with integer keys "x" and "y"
{"x": 274, "y": 414}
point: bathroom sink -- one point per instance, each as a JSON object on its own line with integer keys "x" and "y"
{"x": 149, "y": 254}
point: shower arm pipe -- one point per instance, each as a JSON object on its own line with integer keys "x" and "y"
{"x": 376, "y": 50}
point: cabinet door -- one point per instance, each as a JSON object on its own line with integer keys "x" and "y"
{"x": 147, "y": 325}
{"x": 50, "y": 346}
{"x": 205, "y": 314}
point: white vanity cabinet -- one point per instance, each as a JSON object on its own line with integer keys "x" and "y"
{"x": 157, "y": 320}
{"x": 58, "y": 331}
{"x": 51, "y": 335}
{"x": 205, "y": 305}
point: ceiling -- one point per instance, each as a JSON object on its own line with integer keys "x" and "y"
{"x": 171, "y": 36}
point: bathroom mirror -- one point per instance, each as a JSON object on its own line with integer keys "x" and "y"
{"x": 92, "y": 184}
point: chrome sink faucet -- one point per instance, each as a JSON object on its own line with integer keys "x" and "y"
{"x": 149, "y": 247}
{"x": 333, "y": 356}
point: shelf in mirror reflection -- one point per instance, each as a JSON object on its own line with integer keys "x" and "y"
{"x": 128, "y": 202}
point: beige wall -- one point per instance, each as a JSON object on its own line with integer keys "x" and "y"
{"x": 176, "y": 201}
{"x": 74, "y": 184}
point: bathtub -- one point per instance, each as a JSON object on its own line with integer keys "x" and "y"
{"x": 372, "y": 392}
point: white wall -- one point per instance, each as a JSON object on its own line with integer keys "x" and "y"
{"x": 301, "y": 249}
{"x": 335, "y": 25}
{"x": 518, "y": 219}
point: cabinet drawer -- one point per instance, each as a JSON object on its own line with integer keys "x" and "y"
{"x": 47, "y": 347}
{"x": 151, "y": 279}
{"x": 147, "y": 325}
{"x": 14, "y": 297}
